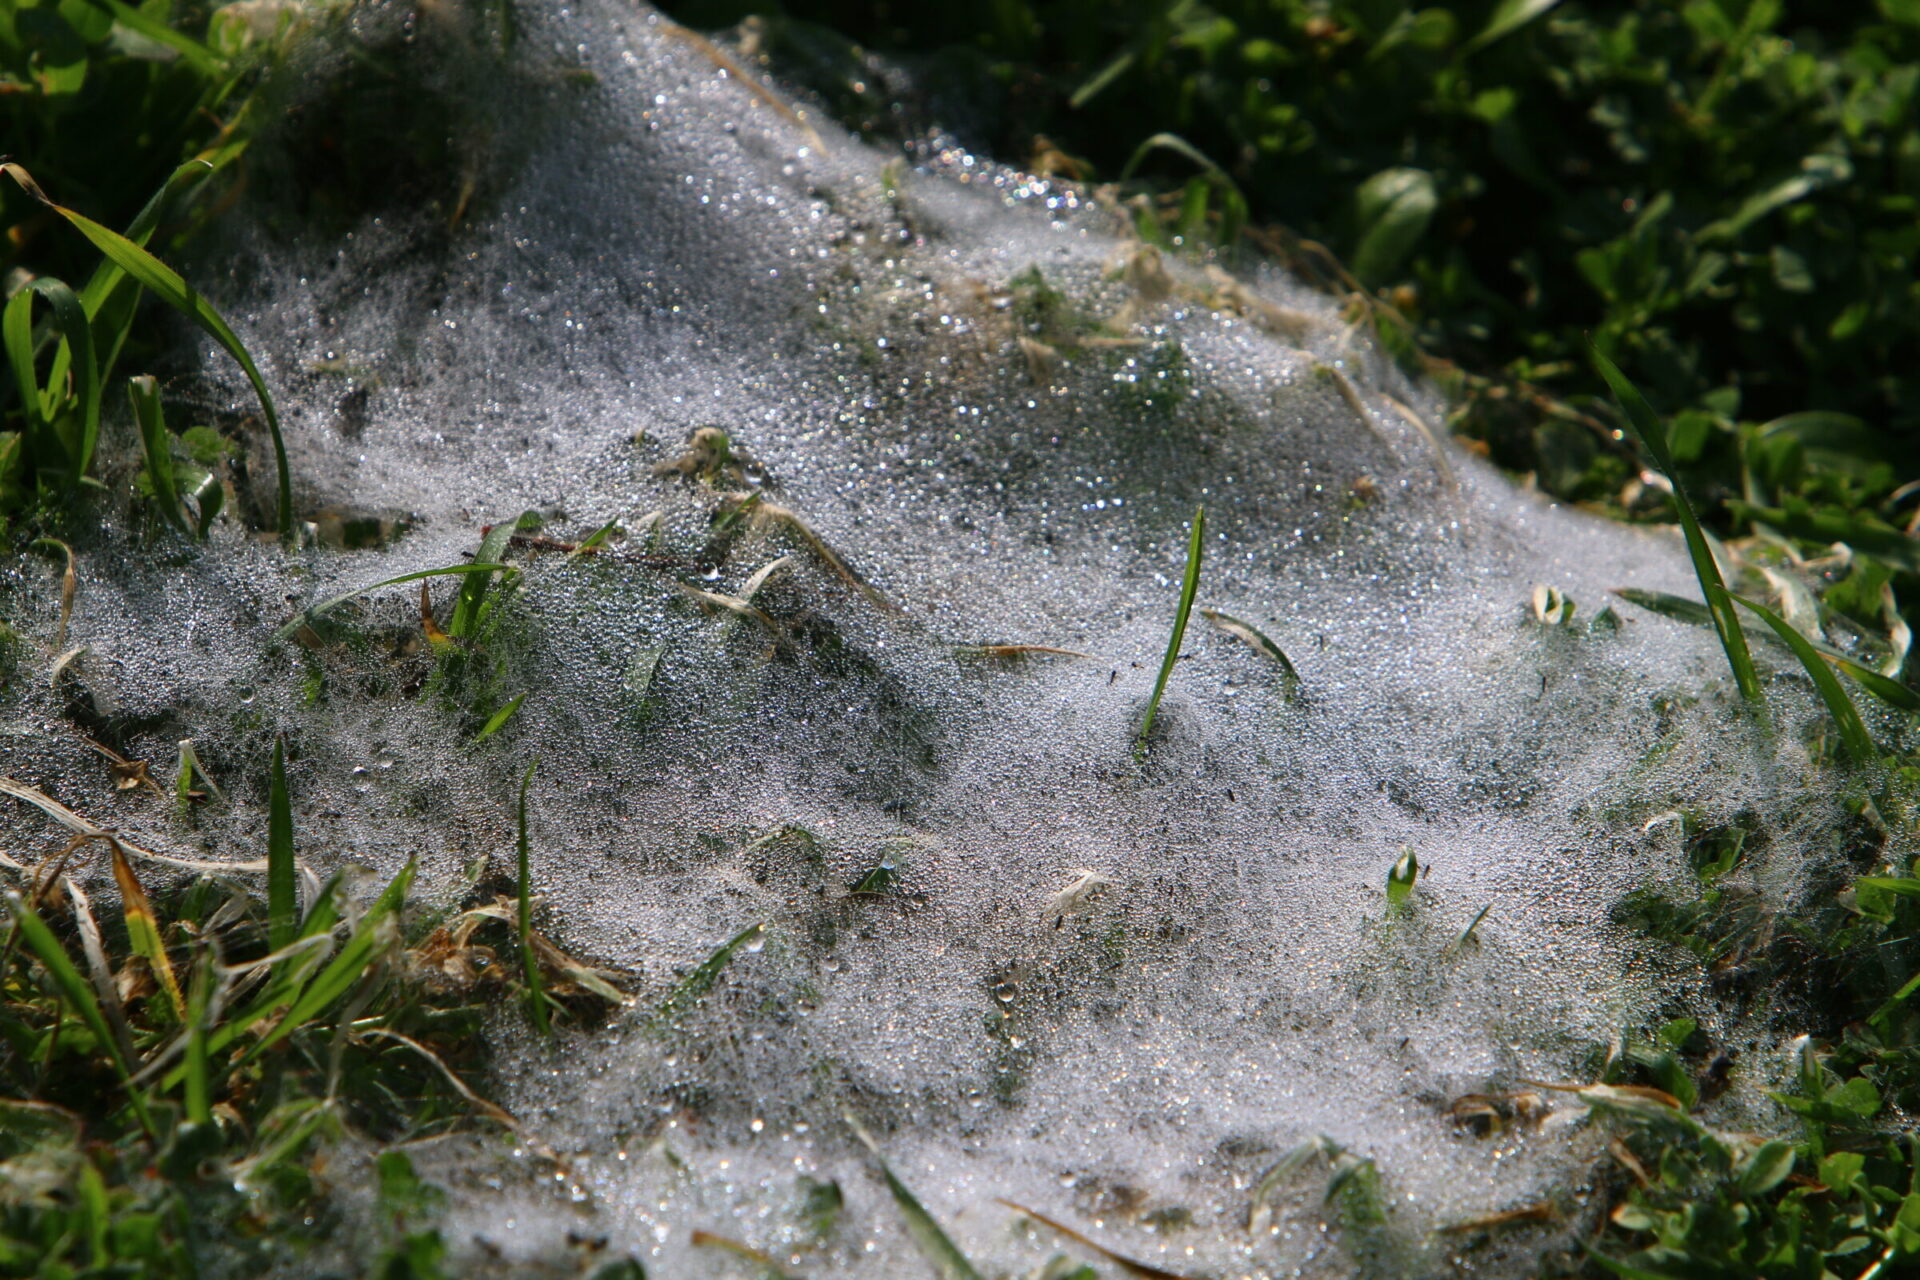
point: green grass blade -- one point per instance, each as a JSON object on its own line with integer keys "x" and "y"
{"x": 340, "y": 974}
{"x": 199, "y": 1092}
{"x": 1885, "y": 688}
{"x": 74, "y": 990}
{"x": 473, "y": 592}
{"x": 529, "y": 966}
{"x": 938, "y": 1248}
{"x": 282, "y": 911}
{"x": 76, "y": 352}
{"x": 167, "y": 284}
{"x": 1196, "y": 546}
{"x": 701, "y": 980}
{"x": 498, "y": 719}
{"x": 316, "y": 612}
{"x": 17, "y": 330}
{"x": 1853, "y": 732}
{"x": 1654, "y": 439}
{"x": 204, "y": 62}
{"x": 111, "y": 311}
{"x": 156, "y": 443}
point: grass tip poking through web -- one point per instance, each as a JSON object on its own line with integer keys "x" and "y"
{"x": 529, "y": 964}
{"x": 1196, "y": 547}
{"x": 935, "y": 1244}
{"x": 1653, "y": 438}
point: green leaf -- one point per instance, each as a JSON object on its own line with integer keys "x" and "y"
{"x": 1102, "y": 78}
{"x": 1647, "y": 428}
{"x": 165, "y": 282}
{"x": 1888, "y": 690}
{"x": 1393, "y": 209}
{"x": 1401, "y": 877}
{"x": 1196, "y": 547}
{"x": 1252, "y": 637}
{"x": 1766, "y": 1168}
{"x": 1861, "y": 532}
{"x": 1853, "y": 732}
{"x": 696, "y": 984}
{"x": 191, "y": 51}
{"x": 1508, "y": 16}
{"x": 338, "y": 977}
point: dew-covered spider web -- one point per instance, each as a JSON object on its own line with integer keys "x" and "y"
{"x": 902, "y": 456}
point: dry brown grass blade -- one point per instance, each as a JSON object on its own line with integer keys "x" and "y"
{"x": 69, "y": 580}
{"x": 712, "y": 600}
{"x": 1631, "y": 1163}
{"x": 1542, "y": 1212}
{"x": 143, "y": 929}
{"x": 766, "y": 513}
{"x": 1419, "y": 424}
{"x": 82, "y": 827}
{"x": 437, "y": 638}
{"x": 748, "y": 81}
{"x": 713, "y": 1240}
{"x": 1351, "y": 394}
{"x": 1132, "y": 1266}
{"x": 1645, "y": 1091}
{"x": 101, "y": 971}
{"x": 1019, "y": 651}
{"x": 491, "y": 1110}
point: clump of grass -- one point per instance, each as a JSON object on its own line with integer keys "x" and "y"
{"x": 1854, "y": 737}
{"x": 181, "y": 1117}
{"x": 75, "y": 320}
{"x": 1196, "y": 547}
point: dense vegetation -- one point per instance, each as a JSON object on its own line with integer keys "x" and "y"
{"x": 1724, "y": 195}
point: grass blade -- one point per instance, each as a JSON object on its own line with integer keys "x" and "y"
{"x": 70, "y": 321}
{"x": 199, "y": 1092}
{"x": 196, "y": 55}
{"x": 1853, "y": 732}
{"x": 143, "y": 928}
{"x": 332, "y": 982}
{"x": 1883, "y": 687}
{"x": 498, "y": 720}
{"x": 313, "y": 614}
{"x": 529, "y": 967}
{"x": 167, "y": 284}
{"x": 701, "y": 980}
{"x": 1196, "y": 546}
{"x": 74, "y": 990}
{"x": 939, "y": 1249}
{"x": 1132, "y": 1266}
{"x": 1654, "y": 439}
{"x": 144, "y": 393}
{"x": 282, "y": 912}
{"x": 473, "y": 592}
